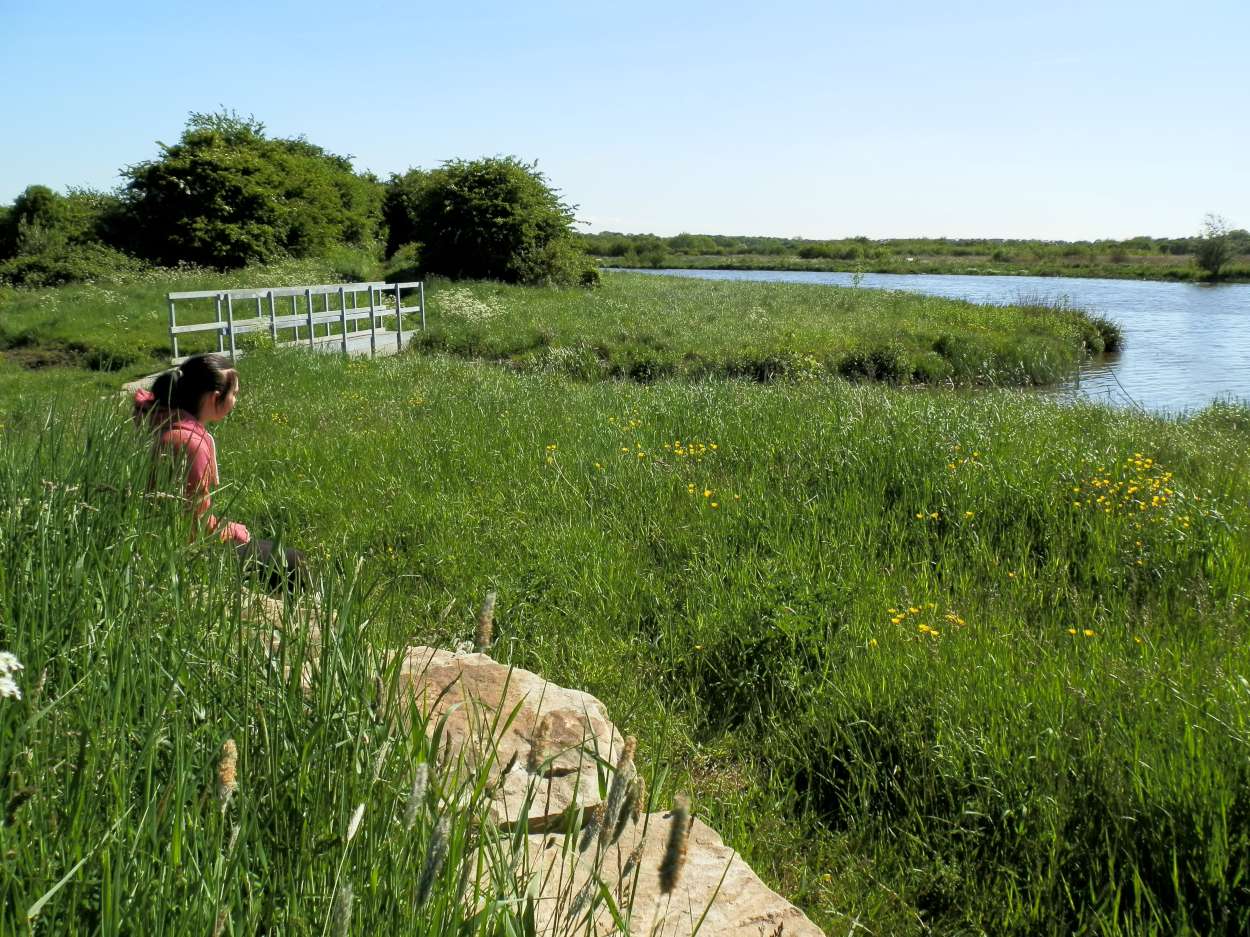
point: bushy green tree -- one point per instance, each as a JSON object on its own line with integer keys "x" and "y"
{"x": 495, "y": 218}
{"x": 1214, "y": 247}
{"x": 47, "y": 238}
{"x": 227, "y": 195}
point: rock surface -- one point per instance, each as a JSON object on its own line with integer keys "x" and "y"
{"x": 550, "y": 744}
{"x": 715, "y": 886}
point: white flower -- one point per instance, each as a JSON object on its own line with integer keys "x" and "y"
{"x": 9, "y": 665}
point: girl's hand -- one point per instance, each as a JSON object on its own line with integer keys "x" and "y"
{"x": 235, "y": 533}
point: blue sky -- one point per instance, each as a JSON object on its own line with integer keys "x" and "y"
{"x": 1053, "y": 120}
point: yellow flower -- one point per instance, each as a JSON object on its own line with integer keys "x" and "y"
{"x": 1071, "y": 631}
{"x": 715, "y": 505}
{"x": 968, "y": 514}
{"x": 872, "y": 642}
{"x": 707, "y": 492}
{"x": 913, "y": 610}
{"x": 1089, "y": 632}
{"x": 897, "y": 619}
{"x": 924, "y": 629}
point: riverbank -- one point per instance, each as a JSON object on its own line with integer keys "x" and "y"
{"x": 649, "y": 328}
{"x": 632, "y": 327}
{"x": 1149, "y": 267}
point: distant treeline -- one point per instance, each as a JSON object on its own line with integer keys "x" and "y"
{"x": 645, "y": 248}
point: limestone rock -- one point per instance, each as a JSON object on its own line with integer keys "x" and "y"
{"x": 715, "y": 885}
{"x": 549, "y": 744}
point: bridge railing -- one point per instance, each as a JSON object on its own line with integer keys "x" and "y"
{"x": 347, "y": 311}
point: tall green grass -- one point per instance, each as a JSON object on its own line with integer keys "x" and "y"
{"x": 733, "y": 568}
{"x": 163, "y": 772}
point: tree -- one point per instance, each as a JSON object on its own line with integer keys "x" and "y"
{"x": 226, "y": 195}
{"x": 47, "y": 238}
{"x": 1214, "y": 245}
{"x": 495, "y": 218}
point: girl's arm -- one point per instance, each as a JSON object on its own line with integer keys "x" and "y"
{"x": 201, "y": 479}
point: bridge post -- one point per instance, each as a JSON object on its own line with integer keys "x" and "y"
{"x": 230, "y": 325}
{"x": 373, "y": 325}
{"x": 217, "y": 306}
{"x": 173, "y": 324}
{"x": 343, "y": 317}
{"x": 399, "y": 320}
{"x": 308, "y": 296}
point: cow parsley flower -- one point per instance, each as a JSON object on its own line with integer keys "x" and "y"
{"x": 9, "y": 665}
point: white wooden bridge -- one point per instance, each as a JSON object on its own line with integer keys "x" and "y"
{"x": 351, "y": 318}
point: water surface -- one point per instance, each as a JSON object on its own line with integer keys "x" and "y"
{"x": 1185, "y": 345}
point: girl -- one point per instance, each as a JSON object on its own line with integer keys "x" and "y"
{"x": 201, "y": 390}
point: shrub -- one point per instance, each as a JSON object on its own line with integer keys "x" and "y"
{"x": 74, "y": 263}
{"x": 1214, "y": 246}
{"x": 226, "y": 195}
{"x": 404, "y": 265}
{"x": 495, "y": 219}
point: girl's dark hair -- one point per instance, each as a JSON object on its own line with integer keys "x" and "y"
{"x": 183, "y": 387}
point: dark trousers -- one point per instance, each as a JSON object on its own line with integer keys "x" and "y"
{"x": 280, "y": 570}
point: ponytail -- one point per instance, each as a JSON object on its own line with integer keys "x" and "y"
{"x": 184, "y": 387}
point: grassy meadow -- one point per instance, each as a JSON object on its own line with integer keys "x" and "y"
{"x": 633, "y": 326}
{"x": 935, "y": 661}
{"x": 647, "y": 328}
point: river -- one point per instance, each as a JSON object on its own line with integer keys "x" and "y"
{"x": 1185, "y": 345}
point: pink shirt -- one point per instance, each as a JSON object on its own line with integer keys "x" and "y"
{"x": 183, "y": 436}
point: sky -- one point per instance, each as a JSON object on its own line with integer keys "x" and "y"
{"x": 1056, "y": 120}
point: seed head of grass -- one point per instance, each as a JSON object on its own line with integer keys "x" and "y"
{"x": 435, "y": 856}
{"x": 416, "y": 796}
{"x": 593, "y": 825}
{"x": 484, "y": 636}
{"x": 621, "y": 782}
{"x": 227, "y": 773}
{"x": 632, "y": 808}
{"x": 353, "y": 825}
{"x": 632, "y": 862}
{"x": 675, "y": 852}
